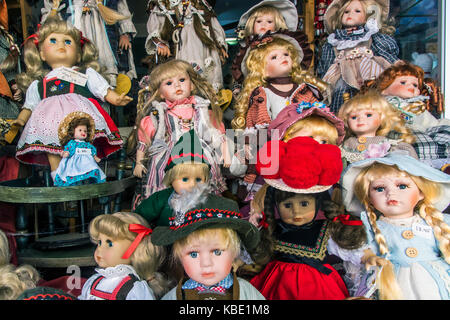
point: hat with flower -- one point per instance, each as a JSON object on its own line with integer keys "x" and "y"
{"x": 298, "y": 111}
{"x": 301, "y": 165}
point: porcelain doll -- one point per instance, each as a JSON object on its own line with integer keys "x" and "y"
{"x": 72, "y": 84}
{"x": 187, "y": 169}
{"x": 369, "y": 118}
{"x": 208, "y": 238}
{"x": 79, "y": 164}
{"x": 176, "y": 101}
{"x": 108, "y": 24}
{"x": 268, "y": 17}
{"x": 400, "y": 201}
{"x": 127, "y": 261}
{"x": 421, "y": 103}
{"x": 359, "y": 46}
{"x": 190, "y": 31}
{"x": 293, "y": 247}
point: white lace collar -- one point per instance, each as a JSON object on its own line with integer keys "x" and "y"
{"x": 372, "y": 28}
{"x": 120, "y": 270}
{"x": 403, "y": 222}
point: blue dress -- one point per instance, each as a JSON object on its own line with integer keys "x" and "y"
{"x": 420, "y": 269}
{"x": 79, "y": 166}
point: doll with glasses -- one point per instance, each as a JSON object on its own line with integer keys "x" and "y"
{"x": 72, "y": 84}
{"x": 176, "y": 101}
{"x": 359, "y": 46}
{"x": 400, "y": 201}
{"x": 368, "y": 119}
{"x": 127, "y": 261}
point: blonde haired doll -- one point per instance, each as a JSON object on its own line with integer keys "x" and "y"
{"x": 127, "y": 260}
{"x": 176, "y": 100}
{"x": 72, "y": 84}
{"x": 358, "y": 48}
{"x": 400, "y": 201}
{"x": 369, "y": 118}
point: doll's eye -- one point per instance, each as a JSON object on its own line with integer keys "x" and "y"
{"x": 274, "y": 57}
{"x": 68, "y": 42}
{"x": 287, "y": 205}
{"x": 99, "y": 243}
{"x": 182, "y": 79}
{"x": 109, "y": 243}
{"x": 323, "y": 142}
{"x": 52, "y": 40}
{"x": 217, "y": 252}
{"x": 369, "y": 115}
{"x": 185, "y": 179}
{"x": 379, "y": 189}
{"x": 198, "y": 179}
{"x": 415, "y": 85}
{"x": 193, "y": 254}
{"x": 353, "y": 117}
{"x": 402, "y": 186}
{"x": 304, "y": 203}
{"x": 168, "y": 83}
{"x": 402, "y": 82}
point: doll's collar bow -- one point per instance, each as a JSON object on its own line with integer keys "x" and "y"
{"x": 189, "y": 100}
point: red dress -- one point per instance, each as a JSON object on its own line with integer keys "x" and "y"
{"x": 300, "y": 271}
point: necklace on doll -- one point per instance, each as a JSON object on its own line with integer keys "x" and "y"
{"x": 86, "y": 9}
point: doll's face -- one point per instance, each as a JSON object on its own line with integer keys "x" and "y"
{"x": 207, "y": 261}
{"x": 176, "y": 88}
{"x": 59, "y": 50}
{"x": 297, "y": 210}
{"x": 278, "y": 63}
{"x": 80, "y": 132}
{"x": 109, "y": 252}
{"x": 404, "y": 87}
{"x": 187, "y": 181}
{"x": 364, "y": 123}
{"x": 307, "y": 132}
{"x": 263, "y": 24}
{"x": 354, "y": 15}
{"x": 394, "y": 196}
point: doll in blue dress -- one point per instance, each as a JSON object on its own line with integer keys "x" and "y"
{"x": 79, "y": 164}
{"x": 400, "y": 201}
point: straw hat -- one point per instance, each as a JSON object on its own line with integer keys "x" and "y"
{"x": 64, "y": 125}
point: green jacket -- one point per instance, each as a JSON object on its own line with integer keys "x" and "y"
{"x": 155, "y": 209}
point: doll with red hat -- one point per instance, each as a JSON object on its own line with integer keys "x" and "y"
{"x": 293, "y": 247}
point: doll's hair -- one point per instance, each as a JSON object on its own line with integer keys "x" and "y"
{"x": 371, "y": 9}
{"x": 15, "y": 280}
{"x": 227, "y": 237}
{"x": 169, "y": 69}
{"x": 317, "y": 125}
{"x": 256, "y": 77}
{"x": 391, "y": 119}
{"x": 280, "y": 23}
{"x": 35, "y": 67}
{"x": 429, "y": 189}
{"x": 146, "y": 259}
{"x": 82, "y": 121}
{"x": 11, "y": 61}
{"x": 5, "y": 253}
{"x": 183, "y": 168}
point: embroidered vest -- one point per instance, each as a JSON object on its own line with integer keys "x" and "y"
{"x": 119, "y": 293}
{"x": 49, "y": 87}
{"x": 192, "y": 294}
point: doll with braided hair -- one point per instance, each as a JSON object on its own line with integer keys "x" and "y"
{"x": 400, "y": 201}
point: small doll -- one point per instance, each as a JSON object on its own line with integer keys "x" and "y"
{"x": 190, "y": 31}
{"x": 400, "y": 200}
{"x": 79, "y": 159}
{"x": 127, "y": 260}
{"x": 187, "y": 168}
{"x": 420, "y": 102}
{"x": 107, "y": 24}
{"x": 358, "y": 48}
{"x": 176, "y": 101}
{"x": 293, "y": 247}
{"x": 208, "y": 238}
{"x": 369, "y": 118}
{"x": 268, "y": 18}
{"x": 71, "y": 85}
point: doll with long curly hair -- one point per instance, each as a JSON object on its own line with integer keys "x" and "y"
{"x": 128, "y": 261}
{"x": 72, "y": 83}
{"x": 176, "y": 100}
{"x": 400, "y": 201}
{"x": 359, "y": 47}
{"x": 368, "y": 119}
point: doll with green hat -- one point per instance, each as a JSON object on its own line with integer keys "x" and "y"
{"x": 186, "y": 168}
{"x": 209, "y": 238}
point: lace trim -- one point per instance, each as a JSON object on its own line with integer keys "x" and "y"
{"x": 120, "y": 270}
{"x": 372, "y": 27}
{"x": 404, "y": 222}
{"x": 445, "y": 277}
{"x": 317, "y": 252}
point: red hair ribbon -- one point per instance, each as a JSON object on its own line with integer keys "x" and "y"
{"x": 35, "y": 38}
{"x": 83, "y": 40}
{"x": 263, "y": 223}
{"x": 142, "y": 232}
{"x": 344, "y": 219}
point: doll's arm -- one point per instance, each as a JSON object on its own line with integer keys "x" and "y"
{"x": 154, "y": 43}
{"x": 385, "y": 46}
{"x": 220, "y": 37}
{"x": 118, "y": 100}
{"x": 22, "y": 118}
{"x": 139, "y": 168}
{"x": 51, "y": 8}
{"x": 127, "y": 30}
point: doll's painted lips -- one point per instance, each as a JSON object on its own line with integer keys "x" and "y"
{"x": 208, "y": 274}
{"x": 179, "y": 91}
{"x": 392, "y": 202}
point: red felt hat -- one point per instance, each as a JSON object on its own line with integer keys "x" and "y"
{"x": 301, "y": 165}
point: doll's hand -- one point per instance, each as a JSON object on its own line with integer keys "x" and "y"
{"x": 97, "y": 159}
{"x": 163, "y": 50}
{"x": 124, "y": 42}
{"x": 255, "y": 218}
{"x": 65, "y": 154}
{"x": 18, "y": 95}
{"x": 139, "y": 169}
{"x": 18, "y": 123}
{"x": 116, "y": 99}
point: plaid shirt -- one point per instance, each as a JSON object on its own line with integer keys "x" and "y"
{"x": 225, "y": 284}
{"x": 382, "y": 45}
